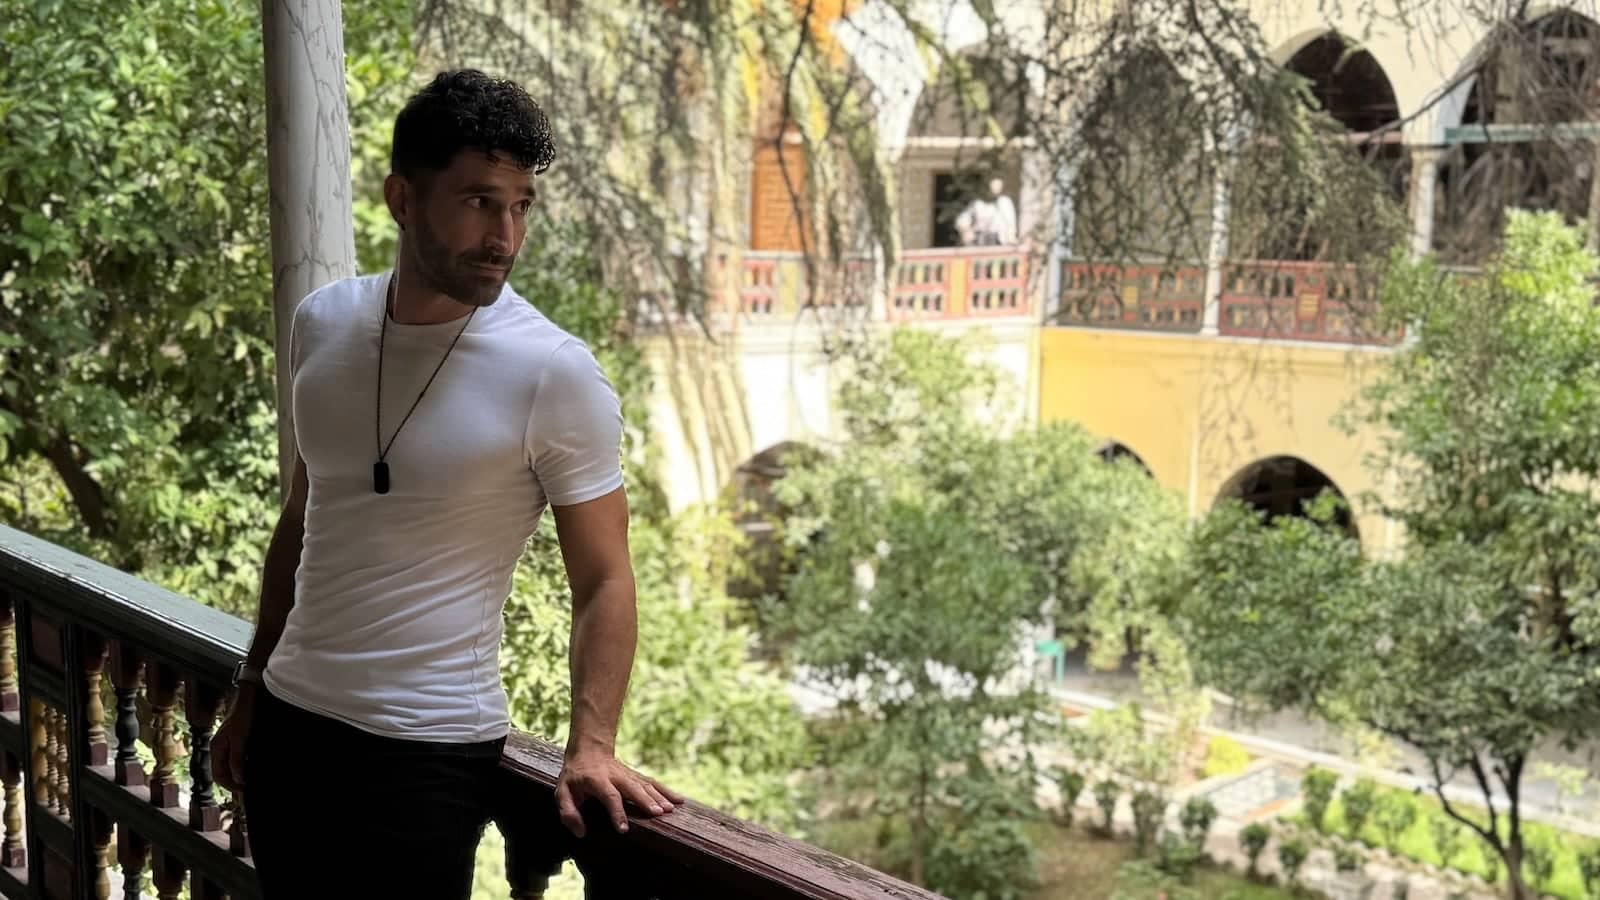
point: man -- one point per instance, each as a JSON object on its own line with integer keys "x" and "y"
{"x": 437, "y": 413}
{"x": 989, "y": 221}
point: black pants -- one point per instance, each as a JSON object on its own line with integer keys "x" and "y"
{"x": 335, "y": 811}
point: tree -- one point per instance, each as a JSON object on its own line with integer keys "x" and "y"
{"x": 136, "y": 364}
{"x": 933, "y": 511}
{"x": 1480, "y": 642}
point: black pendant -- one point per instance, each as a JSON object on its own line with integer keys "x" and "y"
{"x": 380, "y": 477}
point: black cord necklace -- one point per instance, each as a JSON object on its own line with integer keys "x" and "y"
{"x": 380, "y": 469}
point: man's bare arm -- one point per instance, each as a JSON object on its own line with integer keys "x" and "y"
{"x": 594, "y": 547}
{"x": 277, "y": 598}
{"x": 278, "y": 573}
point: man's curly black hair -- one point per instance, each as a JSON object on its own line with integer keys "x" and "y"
{"x": 468, "y": 110}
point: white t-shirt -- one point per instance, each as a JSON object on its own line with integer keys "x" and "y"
{"x": 396, "y": 623}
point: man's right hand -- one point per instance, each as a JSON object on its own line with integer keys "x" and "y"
{"x": 228, "y": 744}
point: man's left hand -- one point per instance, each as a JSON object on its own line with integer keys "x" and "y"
{"x": 599, "y": 776}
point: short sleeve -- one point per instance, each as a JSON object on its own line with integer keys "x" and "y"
{"x": 574, "y": 438}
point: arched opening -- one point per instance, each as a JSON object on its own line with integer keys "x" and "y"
{"x": 1281, "y": 486}
{"x": 1348, "y": 84}
{"x": 759, "y": 515}
{"x": 1522, "y": 143}
{"x": 1118, "y": 452}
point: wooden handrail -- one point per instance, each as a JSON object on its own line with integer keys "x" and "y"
{"x": 77, "y": 626}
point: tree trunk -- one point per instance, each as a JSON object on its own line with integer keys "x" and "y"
{"x": 1513, "y": 859}
{"x": 81, "y": 486}
{"x": 919, "y": 828}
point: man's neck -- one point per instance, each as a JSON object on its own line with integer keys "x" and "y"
{"x": 412, "y": 302}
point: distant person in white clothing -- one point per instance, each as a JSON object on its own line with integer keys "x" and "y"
{"x": 437, "y": 415}
{"x": 990, "y": 220}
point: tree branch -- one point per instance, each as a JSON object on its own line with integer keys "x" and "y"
{"x": 1492, "y": 837}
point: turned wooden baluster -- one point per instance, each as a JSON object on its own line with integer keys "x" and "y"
{"x": 167, "y": 872}
{"x": 52, "y": 760}
{"x": 94, "y": 667}
{"x": 44, "y": 782}
{"x": 163, "y": 693}
{"x": 9, "y": 696}
{"x": 132, "y": 851}
{"x": 63, "y": 767}
{"x": 200, "y": 705}
{"x": 239, "y": 830}
{"x": 13, "y": 854}
{"x": 126, "y": 669}
{"x": 100, "y": 827}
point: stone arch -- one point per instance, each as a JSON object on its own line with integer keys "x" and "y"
{"x": 1279, "y": 486}
{"x": 1526, "y": 77}
{"x": 757, "y": 513}
{"x": 1347, "y": 81}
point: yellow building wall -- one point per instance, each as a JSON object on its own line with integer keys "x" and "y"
{"x": 1198, "y": 410}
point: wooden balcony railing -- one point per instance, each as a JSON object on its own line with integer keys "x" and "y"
{"x": 98, "y": 669}
{"x": 948, "y": 283}
{"x": 1303, "y": 301}
{"x": 774, "y": 286}
{"x": 1145, "y": 297}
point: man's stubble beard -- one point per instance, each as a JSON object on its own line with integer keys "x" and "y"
{"x": 442, "y": 271}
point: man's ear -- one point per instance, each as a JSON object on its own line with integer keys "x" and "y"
{"x": 401, "y": 197}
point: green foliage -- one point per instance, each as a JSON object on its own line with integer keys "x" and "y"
{"x": 989, "y": 854}
{"x": 1197, "y": 817}
{"x": 935, "y": 510}
{"x": 1225, "y": 756}
{"x": 1359, "y": 799}
{"x": 1396, "y": 813}
{"x": 1539, "y": 864}
{"x": 1106, "y": 794}
{"x": 1348, "y": 859}
{"x": 1178, "y": 855}
{"x": 1494, "y": 420}
{"x": 1589, "y": 867}
{"x": 137, "y": 410}
{"x": 1254, "y": 838}
{"x": 1118, "y": 743}
{"x": 1070, "y": 783}
{"x": 1149, "y": 807}
{"x": 1316, "y": 789}
{"x": 1472, "y": 854}
{"x": 1292, "y": 855}
{"x": 1447, "y": 835}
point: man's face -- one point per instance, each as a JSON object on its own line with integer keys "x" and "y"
{"x": 473, "y": 218}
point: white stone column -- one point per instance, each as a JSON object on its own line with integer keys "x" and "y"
{"x": 308, "y": 171}
{"x": 1217, "y": 249}
{"x": 1423, "y": 190}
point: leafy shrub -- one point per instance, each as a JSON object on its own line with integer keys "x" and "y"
{"x": 1225, "y": 756}
{"x": 1149, "y": 808}
{"x": 1539, "y": 864}
{"x": 1292, "y": 855}
{"x": 1197, "y": 817}
{"x": 1447, "y": 836}
{"x": 1318, "y": 787}
{"x": 1070, "y": 783}
{"x": 1589, "y": 867}
{"x": 1346, "y": 859}
{"x": 1396, "y": 813}
{"x": 1359, "y": 801}
{"x": 1105, "y": 796}
{"x": 1178, "y": 856}
{"x": 1254, "y": 838}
